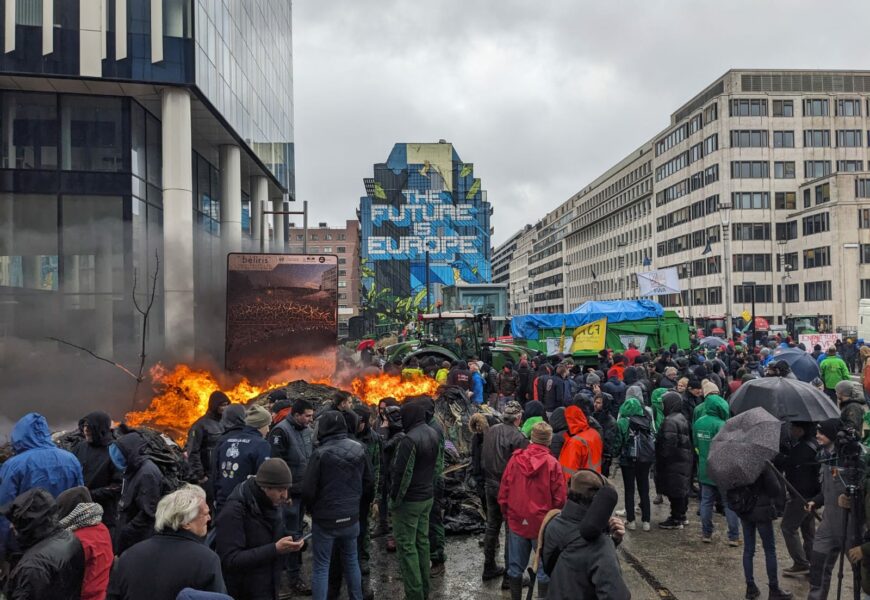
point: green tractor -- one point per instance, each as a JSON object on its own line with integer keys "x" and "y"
{"x": 455, "y": 336}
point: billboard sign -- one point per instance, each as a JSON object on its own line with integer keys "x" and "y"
{"x": 279, "y": 307}
{"x": 659, "y": 283}
{"x": 825, "y": 340}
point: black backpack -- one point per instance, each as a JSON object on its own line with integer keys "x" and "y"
{"x": 641, "y": 445}
{"x": 742, "y": 499}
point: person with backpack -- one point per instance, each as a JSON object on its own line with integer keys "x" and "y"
{"x": 601, "y": 412}
{"x": 636, "y": 452}
{"x": 674, "y": 460}
{"x": 703, "y": 432}
{"x": 801, "y": 470}
{"x": 142, "y": 488}
{"x": 755, "y": 504}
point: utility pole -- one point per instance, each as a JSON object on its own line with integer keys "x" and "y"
{"x": 725, "y": 218}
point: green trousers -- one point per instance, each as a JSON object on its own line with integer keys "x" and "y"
{"x": 411, "y": 530}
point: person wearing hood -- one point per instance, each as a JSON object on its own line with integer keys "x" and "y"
{"x": 142, "y": 488}
{"x": 81, "y": 516}
{"x": 525, "y": 377}
{"x": 801, "y": 470}
{"x": 674, "y": 456}
{"x": 37, "y": 462}
{"x": 601, "y": 413}
{"x": 704, "y": 430}
{"x": 175, "y": 557}
{"x": 533, "y": 413}
{"x": 437, "y": 534}
{"x": 532, "y": 486}
{"x": 101, "y": 477}
{"x": 583, "y": 447}
{"x": 850, "y": 398}
{"x": 636, "y": 452}
{"x": 202, "y": 438}
{"x": 658, "y": 407}
{"x": 240, "y": 451}
{"x": 560, "y": 428}
{"x": 53, "y": 562}
{"x": 337, "y": 479}
{"x": 412, "y": 480}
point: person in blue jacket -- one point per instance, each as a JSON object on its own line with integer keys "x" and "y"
{"x": 476, "y": 384}
{"x": 240, "y": 453}
{"x": 37, "y": 463}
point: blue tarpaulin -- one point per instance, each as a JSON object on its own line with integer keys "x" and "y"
{"x": 526, "y": 327}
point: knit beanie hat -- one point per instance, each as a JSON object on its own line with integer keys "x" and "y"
{"x": 542, "y": 434}
{"x": 829, "y": 428}
{"x": 586, "y": 482}
{"x": 513, "y": 409}
{"x": 257, "y": 416}
{"x": 709, "y": 387}
{"x": 274, "y": 473}
{"x": 592, "y": 379}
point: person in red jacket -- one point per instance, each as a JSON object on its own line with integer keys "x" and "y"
{"x": 583, "y": 447}
{"x": 83, "y": 517}
{"x": 618, "y": 368}
{"x": 531, "y": 486}
{"x": 631, "y": 354}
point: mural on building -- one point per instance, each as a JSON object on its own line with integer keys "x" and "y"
{"x": 424, "y": 199}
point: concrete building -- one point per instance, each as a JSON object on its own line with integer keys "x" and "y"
{"x": 134, "y": 132}
{"x": 502, "y": 256}
{"x": 344, "y": 243}
{"x": 771, "y": 162}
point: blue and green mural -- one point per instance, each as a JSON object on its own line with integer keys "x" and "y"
{"x": 423, "y": 199}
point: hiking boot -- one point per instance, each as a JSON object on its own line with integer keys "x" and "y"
{"x": 437, "y": 569}
{"x": 734, "y": 543}
{"x": 492, "y": 571}
{"x": 671, "y": 524}
{"x": 752, "y": 591}
{"x": 658, "y": 499}
{"x": 796, "y": 571}
{"x": 505, "y": 581}
{"x": 391, "y": 544}
{"x": 631, "y": 525}
{"x": 707, "y": 539}
{"x": 646, "y": 526}
{"x": 685, "y": 522}
{"x": 779, "y": 594}
{"x": 515, "y": 585}
{"x": 300, "y": 588}
{"x": 543, "y": 589}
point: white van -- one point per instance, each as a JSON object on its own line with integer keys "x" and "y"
{"x": 864, "y": 319}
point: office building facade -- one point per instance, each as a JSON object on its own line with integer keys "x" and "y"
{"x": 135, "y": 133}
{"x": 773, "y": 162}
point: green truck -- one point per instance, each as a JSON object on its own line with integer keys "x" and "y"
{"x": 643, "y": 322}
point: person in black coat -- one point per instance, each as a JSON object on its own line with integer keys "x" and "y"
{"x": 526, "y": 377}
{"x": 53, "y": 563}
{"x": 250, "y": 533}
{"x": 175, "y": 558}
{"x": 674, "y": 456}
{"x": 801, "y": 469}
{"x": 143, "y": 486}
{"x": 101, "y": 477}
{"x": 240, "y": 451}
{"x": 610, "y": 433}
{"x": 560, "y": 428}
{"x": 203, "y": 436}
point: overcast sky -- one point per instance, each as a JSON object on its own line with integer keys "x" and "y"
{"x": 541, "y": 95}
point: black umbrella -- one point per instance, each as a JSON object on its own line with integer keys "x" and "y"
{"x": 803, "y": 365}
{"x": 784, "y": 398}
{"x": 712, "y": 342}
{"x": 740, "y": 451}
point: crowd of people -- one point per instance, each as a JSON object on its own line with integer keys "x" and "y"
{"x": 111, "y": 519}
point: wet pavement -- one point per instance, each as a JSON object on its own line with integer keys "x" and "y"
{"x": 659, "y": 564}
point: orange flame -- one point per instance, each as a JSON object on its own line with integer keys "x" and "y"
{"x": 371, "y": 389}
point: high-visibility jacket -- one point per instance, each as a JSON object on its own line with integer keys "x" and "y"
{"x": 583, "y": 446}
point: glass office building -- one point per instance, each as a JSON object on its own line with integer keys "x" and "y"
{"x": 136, "y": 133}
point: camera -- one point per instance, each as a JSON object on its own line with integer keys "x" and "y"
{"x": 850, "y": 455}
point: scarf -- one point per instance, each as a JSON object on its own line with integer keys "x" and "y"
{"x": 85, "y": 514}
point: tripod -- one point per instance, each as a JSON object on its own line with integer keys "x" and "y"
{"x": 856, "y": 513}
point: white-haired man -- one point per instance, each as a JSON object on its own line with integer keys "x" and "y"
{"x": 175, "y": 557}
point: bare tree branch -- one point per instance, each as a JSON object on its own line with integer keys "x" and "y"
{"x": 98, "y": 357}
{"x": 145, "y": 314}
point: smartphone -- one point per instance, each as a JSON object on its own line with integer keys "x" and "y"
{"x": 305, "y": 537}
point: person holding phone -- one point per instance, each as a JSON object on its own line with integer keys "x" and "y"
{"x": 251, "y": 540}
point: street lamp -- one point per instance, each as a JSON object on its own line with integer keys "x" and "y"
{"x": 621, "y": 260}
{"x": 752, "y": 285}
{"x": 785, "y": 268}
{"x": 725, "y": 219}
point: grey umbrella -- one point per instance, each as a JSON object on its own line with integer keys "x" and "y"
{"x": 787, "y": 399}
{"x": 712, "y": 342}
{"x": 740, "y": 451}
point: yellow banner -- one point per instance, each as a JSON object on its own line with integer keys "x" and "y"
{"x": 590, "y": 337}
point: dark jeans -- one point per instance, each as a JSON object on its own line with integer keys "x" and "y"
{"x": 293, "y": 516}
{"x": 679, "y": 506}
{"x": 768, "y": 542}
{"x": 494, "y": 522}
{"x": 436, "y": 526}
{"x": 323, "y": 540}
{"x": 636, "y": 473}
{"x": 797, "y": 523}
{"x": 822, "y": 568}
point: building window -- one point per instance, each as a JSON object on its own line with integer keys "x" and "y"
{"x": 817, "y": 257}
{"x": 749, "y": 138}
{"x": 786, "y": 231}
{"x": 711, "y": 144}
{"x": 817, "y": 138}
{"x": 341, "y": 249}
{"x": 790, "y": 259}
{"x": 784, "y": 170}
{"x": 817, "y": 291}
{"x": 756, "y": 107}
{"x": 783, "y": 139}
{"x": 816, "y": 168}
{"x": 750, "y": 169}
{"x": 342, "y": 261}
{"x": 786, "y": 200}
{"x": 751, "y": 263}
{"x": 850, "y": 166}
{"x": 313, "y": 237}
{"x": 745, "y": 293}
{"x": 92, "y": 131}
{"x": 849, "y": 138}
{"x": 711, "y": 113}
{"x": 342, "y": 284}
{"x": 865, "y": 288}
{"x": 342, "y": 273}
{"x": 848, "y": 108}
{"x": 817, "y": 223}
{"x": 29, "y": 131}
{"x": 816, "y": 107}
{"x": 747, "y": 232}
{"x": 864, "y": 218}
{"x": 783, "y": 108}
{"x": 328, "y": 237}
{"x": 862, "y": 188}
{"x": 342, "y": 296}
{"x": 792, "y": 293}
{"x": 865, "y": 254}
{"x": 327, "y": 250}
{"x": 750, "y": 200}
{"x": 808, "y": 198}
{"x": 823, "y": 193}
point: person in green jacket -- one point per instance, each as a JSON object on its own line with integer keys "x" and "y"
{"x": 635, "y": 458}
{"x": 833, "y": 370}
{"x": 716, "y": 412}
{"x": 658, "y": 406}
